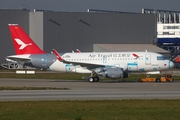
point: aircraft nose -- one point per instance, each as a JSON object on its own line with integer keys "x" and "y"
{"x": 171, "y": 64}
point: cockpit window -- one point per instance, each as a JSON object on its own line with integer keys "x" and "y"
{"x": 161, "y": 57}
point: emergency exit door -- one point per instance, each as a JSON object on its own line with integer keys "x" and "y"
{"x": 148, "y": 59}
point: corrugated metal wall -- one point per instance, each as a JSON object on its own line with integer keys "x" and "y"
{"x": 14, "y": 17}
{"x": 68, "y": 31}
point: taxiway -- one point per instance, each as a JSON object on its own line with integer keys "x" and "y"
{"x": 83, "y": 90}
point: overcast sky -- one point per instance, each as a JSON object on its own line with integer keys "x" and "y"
{"x": 83, "y": 5}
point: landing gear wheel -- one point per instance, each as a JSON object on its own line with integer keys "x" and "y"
{"x": 96, "y": 79}
{"x": 91, "y": 79}
{"x": 158, "y": 80}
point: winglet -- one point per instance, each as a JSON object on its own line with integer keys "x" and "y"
{"x": 78, "y": 50}
{"x": 57, "y": 55}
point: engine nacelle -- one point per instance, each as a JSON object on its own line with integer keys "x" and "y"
{"x": 114, "y": 73}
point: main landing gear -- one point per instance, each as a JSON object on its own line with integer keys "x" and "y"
{"x": 94, "y": 77}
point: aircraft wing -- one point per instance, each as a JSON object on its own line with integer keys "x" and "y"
{"x": 17, "y": 58}
{"x": 87, "y": 65}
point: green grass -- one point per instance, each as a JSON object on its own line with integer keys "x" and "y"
{"x": 91, "y": 110}
{"x": 61, "y": 76}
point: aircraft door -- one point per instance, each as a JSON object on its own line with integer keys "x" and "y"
{"x": 148, "y": 59}
{"x": 104, "y": 59}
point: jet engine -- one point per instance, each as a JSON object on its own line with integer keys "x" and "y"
{"x": 113, "y": 73}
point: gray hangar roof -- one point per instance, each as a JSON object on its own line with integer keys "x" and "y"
{"x": 128, "y": 48}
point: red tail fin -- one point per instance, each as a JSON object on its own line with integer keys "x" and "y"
{"x": 23, "y": 44}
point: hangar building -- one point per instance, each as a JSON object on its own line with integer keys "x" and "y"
{"x": 67, "y": 31}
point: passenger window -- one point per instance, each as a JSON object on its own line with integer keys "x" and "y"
{"x": 161, "y": 57}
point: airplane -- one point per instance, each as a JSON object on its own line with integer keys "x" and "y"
{"x": 114, "y": 65}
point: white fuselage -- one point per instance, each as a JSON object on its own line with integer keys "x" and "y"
{"x": 145, "y": 61}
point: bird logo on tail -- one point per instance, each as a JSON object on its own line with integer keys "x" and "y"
{"x": 22, "y": 44}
